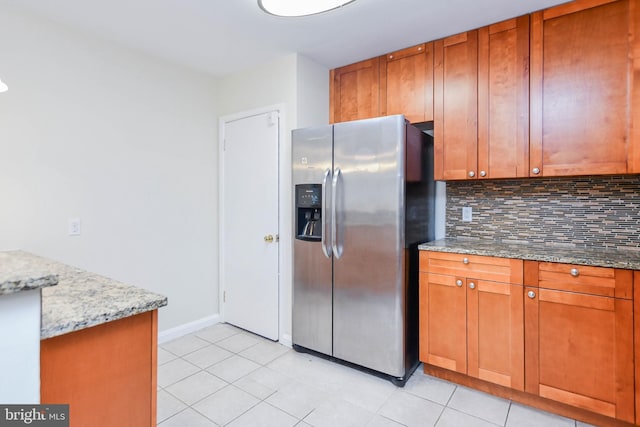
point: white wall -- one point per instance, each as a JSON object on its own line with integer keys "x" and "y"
{"x": 302, "y": 86}
{"x": 123, "y": 141}
{"x": 313, "y": 93}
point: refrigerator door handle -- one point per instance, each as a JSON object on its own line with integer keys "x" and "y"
{"x": 326, "y": 247}
{"x": 337, "y": 251}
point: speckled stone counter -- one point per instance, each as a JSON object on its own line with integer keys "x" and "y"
{"x": 19, "y": 271}
{"x": 81, "y": 299}
{"x": 626, "y": 259}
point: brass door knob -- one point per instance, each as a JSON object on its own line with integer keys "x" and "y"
{"x": 269, "y": 238}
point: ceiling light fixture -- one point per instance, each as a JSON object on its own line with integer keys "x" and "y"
{"x": 300, "y": 8}
{"x": 3, "y": 86}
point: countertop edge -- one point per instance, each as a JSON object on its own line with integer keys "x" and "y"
{"x": 628, "y": 260}
{"x": 9, "y": 287}
{"x": 74, "y": 325}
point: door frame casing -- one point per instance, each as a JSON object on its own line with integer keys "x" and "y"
{"x": 284, "y": 263}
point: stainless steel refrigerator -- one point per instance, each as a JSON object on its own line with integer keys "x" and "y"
{"x": 363, "y": 201}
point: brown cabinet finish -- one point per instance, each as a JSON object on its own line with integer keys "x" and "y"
{"x": 470, "y": 323}
{"x": 554, "y": 93}
{"x": 580, "y": 345}
{"x": 476, "y": 266}
{"x": 354, "y": 91}
{"x": 106, "y": 373}
{"x": 406, "y": 83}
{"x": 503, "y": 99}
{"x": 443, "y": 322}
{"x": 495, "y": 333}
{"x": 584, "y": 89}
{"x": 455, "y": 72}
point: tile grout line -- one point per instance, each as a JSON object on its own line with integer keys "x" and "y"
{"x": 506, "y": 420}
{"x": 272, "y": 390}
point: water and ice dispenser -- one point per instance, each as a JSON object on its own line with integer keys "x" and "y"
{"x": 309, "y": 212}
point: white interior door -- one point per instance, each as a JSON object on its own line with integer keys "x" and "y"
{"x": 249, "y": 224}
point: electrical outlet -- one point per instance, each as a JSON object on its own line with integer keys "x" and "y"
{"x": 74, "y": 227}
{"x": 467, "y": 214}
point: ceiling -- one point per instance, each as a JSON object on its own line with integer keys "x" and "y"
{"x": 221, "y": 37}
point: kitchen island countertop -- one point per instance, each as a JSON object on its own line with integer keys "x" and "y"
{"x": 614, "y": 258}
{"x": 80, "y": 299}
{"x": 19, "y": 271}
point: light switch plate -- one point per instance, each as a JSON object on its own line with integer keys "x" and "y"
{"x": 74, "y": 227}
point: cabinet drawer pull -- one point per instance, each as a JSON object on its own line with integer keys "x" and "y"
{"x": 459, "y": 283}
{"x": 472, "y": 285}
{"x": 574, "y": 272}
{"x": 465, "y": 260}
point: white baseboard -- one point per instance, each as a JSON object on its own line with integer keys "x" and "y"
{"x": 285, "y": 339}
{"x": 187, "y": 328}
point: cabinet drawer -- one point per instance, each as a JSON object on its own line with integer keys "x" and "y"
{"x": 472, "y": 266}
{"x": 610, "y": 282}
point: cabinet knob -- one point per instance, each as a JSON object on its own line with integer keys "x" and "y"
{"x": 269, "y": 238}
{"x": 574, "y": 272}
{"x": 536, "y": 171}
{"x": 459, "y": 283}
{"x": 465, "y": 260}
{"x": 472, "y": 174}
{"x": 472, "y": 285}
{"x": 483, "y": 173}
{"x": 531, "y": 294}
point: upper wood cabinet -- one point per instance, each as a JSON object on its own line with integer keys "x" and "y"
{"x": 455, "y": 72}
{"x": 482, "y": 103}
{"x": 503, "y": 99}
{"x": 354, "y": 91}
{"x": 554, "y": 93}
{"x": 406, "y": 83}
{"x": 585, "y": 63}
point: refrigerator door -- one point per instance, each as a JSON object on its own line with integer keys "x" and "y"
{"x": 312, "y": 287}
{"x": 368, "y": 289}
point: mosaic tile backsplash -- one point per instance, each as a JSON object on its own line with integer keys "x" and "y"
{"x": 572, "y": 212}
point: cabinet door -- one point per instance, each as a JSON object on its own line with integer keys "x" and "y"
{"x": 495, "y": 327}
{"x": 455, "y": 71}
{"x": 443, "y": 321}
{"x": 580, "y": 350}
{"x": 503, "y": 99}
{"x": 406, "y": 83}
{"x": 584, "y": 89}
{"x": 354, "y": 91}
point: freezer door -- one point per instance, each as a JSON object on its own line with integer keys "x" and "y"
{"x": 368, "y": 268}
{"x": 312, "y": 286}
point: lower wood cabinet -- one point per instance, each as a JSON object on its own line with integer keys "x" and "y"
{"x": 469, "y": 322}
{"x": 579, "y": 337}
{"x": 106, "y": 373}
{"x": 563, "y": 342}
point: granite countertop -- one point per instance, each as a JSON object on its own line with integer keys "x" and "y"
{"x": 81, "y": 299}
{"x": 19, "y": 271}
{"x": 626, "y": 259}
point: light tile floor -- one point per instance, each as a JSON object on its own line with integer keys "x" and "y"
{"x": 223, "y": 376}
